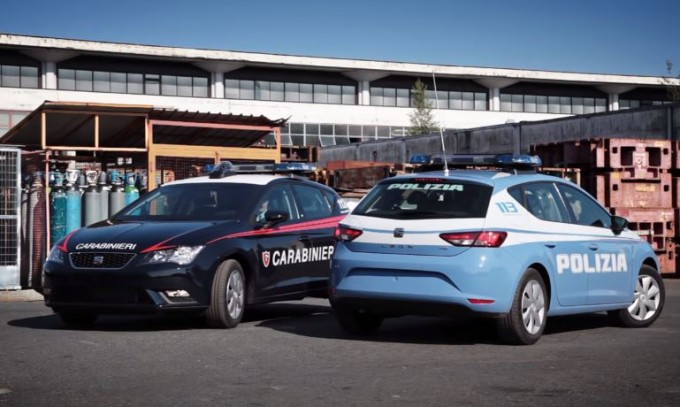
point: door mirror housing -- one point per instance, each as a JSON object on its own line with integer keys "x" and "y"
{"x": 272, "y": 218}
{"x": 618, "y": 224}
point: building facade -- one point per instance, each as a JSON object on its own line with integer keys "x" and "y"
{"x": 327, "y": 101}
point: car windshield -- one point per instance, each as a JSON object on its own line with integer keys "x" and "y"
{"x": 426, "y": 199}
{"x": 195, "y": 201}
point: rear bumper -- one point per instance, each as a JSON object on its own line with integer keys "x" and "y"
{"x": 478, "y": 281}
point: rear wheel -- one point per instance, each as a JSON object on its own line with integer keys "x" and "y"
{"x": 525, "y": 322}
{"x": 227, "y": 301}
{"x": 78, "y": 319}
{"x": 357, "y": 322}
{"x": 648, "y": 301}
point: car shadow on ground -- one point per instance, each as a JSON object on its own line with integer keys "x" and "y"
{"x": 427, "y": 330}
{"x": 318, "y": 321}
{"x": 171, "y": 322}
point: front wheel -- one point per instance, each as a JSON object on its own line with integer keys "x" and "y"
{"x": 525, "y": 322}
{"x": 648, "y": 301}
{"x": 227, "y": 300}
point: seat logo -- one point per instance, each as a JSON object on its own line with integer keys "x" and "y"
{"x": 98, "y": 260}
{"x": 399, "y": 232}
{"x": 266, "y": 256}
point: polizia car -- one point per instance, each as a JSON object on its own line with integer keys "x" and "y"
{"x": 515, "y": 245}
{"x": 213, "y": 244}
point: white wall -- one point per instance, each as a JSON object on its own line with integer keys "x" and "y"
{"x": 30, "y": 99}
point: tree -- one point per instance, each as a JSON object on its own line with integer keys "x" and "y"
{"x": 422, "y": 120}
{"x": 671, "y": 83}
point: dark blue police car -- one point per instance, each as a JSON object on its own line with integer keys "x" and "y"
{"x": 213, "y": 244}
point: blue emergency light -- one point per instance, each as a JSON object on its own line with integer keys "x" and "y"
{"x": 514, "y": 161}
{"x": 294, "y": 167}
{"x": 420, "y": 159}
{"x": 226, "y": 168}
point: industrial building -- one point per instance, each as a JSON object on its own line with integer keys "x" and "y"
{"x": 163, "y": 112}
{"x": 326, "y": 101}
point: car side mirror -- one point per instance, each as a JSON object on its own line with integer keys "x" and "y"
{"x": 618, "y": 224}
{"x": 271, "y": 218}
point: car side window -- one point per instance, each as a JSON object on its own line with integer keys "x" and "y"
{"x": 584, "y": 210}
{"x": 543, "y": 201}
{"x": 312, "y": 202}
{"x": 280, "y": 199}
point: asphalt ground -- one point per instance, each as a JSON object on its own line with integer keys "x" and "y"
{"x": 294, "y": 354}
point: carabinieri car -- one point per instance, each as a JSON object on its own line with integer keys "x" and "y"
{"x": 211, "y": 244}
{"x": 515, "y": 245}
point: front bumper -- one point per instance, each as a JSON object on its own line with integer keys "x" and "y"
{"x": 393, "y": 284}
{"x": 144, "y": 289}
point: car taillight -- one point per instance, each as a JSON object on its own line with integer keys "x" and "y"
{"x": 475, "y": 239}
{"x": 346, "y": 234}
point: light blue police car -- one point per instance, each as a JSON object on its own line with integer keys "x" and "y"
{"x": 511, "y": 244}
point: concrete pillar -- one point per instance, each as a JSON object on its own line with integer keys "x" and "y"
{"x": 364, "y": 93}
{"x": 49, "y": 75}
{"x": 613, "y": 101}
{"x": 495, "y": 99}
{"x": 217, "y": 85}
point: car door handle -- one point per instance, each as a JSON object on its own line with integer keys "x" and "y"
{"x": 550, "y": 245}
{"x": 304, "y": 238}
{"x": 593, "y": 246}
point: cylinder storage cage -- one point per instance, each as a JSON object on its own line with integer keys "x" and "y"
{"x": 10, "y": 191}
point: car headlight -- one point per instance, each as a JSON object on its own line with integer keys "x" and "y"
{"x": 56, "y": 255}
{"x": 181, "y": 255}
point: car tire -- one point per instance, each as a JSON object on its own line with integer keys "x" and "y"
{"x": 357, "y": 322}
{"x": 227, "y": 300}
{"x": 525, "y": 322}
{"x": 649, "y": 298}
{"x": 78, "y": 319}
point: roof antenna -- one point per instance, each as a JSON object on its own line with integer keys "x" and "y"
{"x": 441, "y": 132}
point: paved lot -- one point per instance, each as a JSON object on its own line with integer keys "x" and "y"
{"x": 293, "y": 354}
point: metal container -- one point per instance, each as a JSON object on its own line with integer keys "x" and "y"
{"x": 614, "y": 190}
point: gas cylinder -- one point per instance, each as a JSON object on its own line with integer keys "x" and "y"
{"x": 103, "y": 189}
{"x": 116, "y": 194}
{"x": 91, "y": 200}
{"x": 131, "y": 191}
{"x": 57, "y": 208}
{"x": 73, "y": 201}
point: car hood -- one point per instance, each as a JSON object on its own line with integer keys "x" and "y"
{"x": 145, "y": 236}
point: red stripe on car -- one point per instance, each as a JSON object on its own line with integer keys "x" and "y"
{"x": 311, "y": 225}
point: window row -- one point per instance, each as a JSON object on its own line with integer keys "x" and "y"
{"x": 442, "y": 99}
{"x": 133, "y": 83}
{"x": 10, "y": 119}
{"x": 289, "y": 92}
{"x": 552, "y": 104}
{"x": 317, "y": 134}
{"x": 633, "y": 103}
{"x": 12, "y": 76}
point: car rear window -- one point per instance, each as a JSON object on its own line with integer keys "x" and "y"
{"x": 426, "y": 199}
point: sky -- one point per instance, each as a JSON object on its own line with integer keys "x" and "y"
{"x": 596, "y": 36}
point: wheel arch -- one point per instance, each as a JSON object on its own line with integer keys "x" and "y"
{"x": 649, "y": 261}
{"x": 248, "y": 271}
{"x": 546, "y": 279}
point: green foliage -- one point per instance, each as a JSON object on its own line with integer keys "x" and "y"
{"x": 672, "y": 87}
{"x": 422, "y": 120}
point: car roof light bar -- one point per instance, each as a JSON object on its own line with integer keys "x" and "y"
{"x": 227, "y": 168}
{"x": 503, "y": 161}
